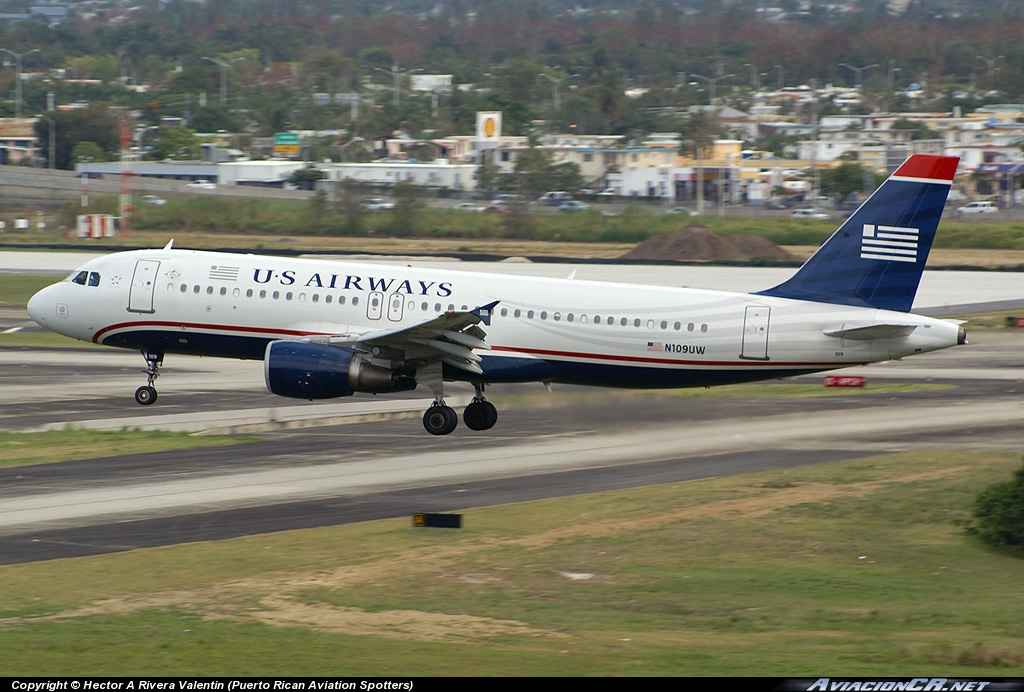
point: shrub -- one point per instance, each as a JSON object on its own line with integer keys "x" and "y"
{"x": 999, "y": 513}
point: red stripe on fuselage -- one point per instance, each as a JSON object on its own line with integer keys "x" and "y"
{"x": 210, "y": 327}
{"x": 281, "y": 333}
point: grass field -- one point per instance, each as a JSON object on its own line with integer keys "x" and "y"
{"x": 70, "y": 445}
{"x": 859, "y": 567}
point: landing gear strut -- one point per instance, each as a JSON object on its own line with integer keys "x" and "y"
{"x": 480, "y": 414}
{"x": 146, "y": 395}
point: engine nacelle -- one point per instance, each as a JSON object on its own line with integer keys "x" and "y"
{"x": 302, "y": 370}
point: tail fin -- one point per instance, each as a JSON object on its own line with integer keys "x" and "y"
{"x": 876, "y": 257}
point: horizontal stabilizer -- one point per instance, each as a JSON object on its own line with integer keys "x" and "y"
{"x": 872, "y": 331}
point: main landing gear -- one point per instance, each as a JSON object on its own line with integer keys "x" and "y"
{"x": 146, "y": 395}
{"x": 480, "y": 414}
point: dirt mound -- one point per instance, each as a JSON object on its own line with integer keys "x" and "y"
{"x": 696, "y": 242}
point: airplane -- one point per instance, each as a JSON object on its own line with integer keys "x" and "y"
{"x": 327, "y": 329}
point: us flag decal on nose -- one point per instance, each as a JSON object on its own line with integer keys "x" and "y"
{"x": 893, "y": 243}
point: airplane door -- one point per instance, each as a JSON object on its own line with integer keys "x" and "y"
{"x": 396, "y": 304}
{"x": 375, "y": 305}
{"x": 140, "y": 296}
{"x": 755, "y": 332}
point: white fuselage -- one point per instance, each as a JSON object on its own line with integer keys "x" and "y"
{"x": 583, "y": 332}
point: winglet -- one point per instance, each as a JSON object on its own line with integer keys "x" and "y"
{"x": 484, "y": 312}
{"x": 875, "y": 259}
{"x": 169, "y": 245}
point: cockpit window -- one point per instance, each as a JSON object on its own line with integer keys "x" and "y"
{"x": 84, "y": 278}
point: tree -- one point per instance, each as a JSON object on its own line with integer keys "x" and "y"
{"x": 84, "y": 152}
{"x": 409, "y": 205}
{"x": 999, "y": 513}
{"x": 535, "y": 172}
{"x": 305, "y": 178}
{"x": 175, "y": 143}
{"x": 96, "y": 124}
{"x": 845, "y": 179}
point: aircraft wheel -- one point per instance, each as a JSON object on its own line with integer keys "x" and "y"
{"x": 480, "y": 415}
{"x": 144, "y": 396}
{"x": 440, "y": 420}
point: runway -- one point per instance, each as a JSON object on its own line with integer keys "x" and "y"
{"x": 368, "y": 457}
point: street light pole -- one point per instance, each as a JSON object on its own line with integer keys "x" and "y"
{"x": 857, "y": 71}
{"x": 53, "y": 140}
{"x": 396, "y": 77}
{"x": 556, "y": 88}
{"x": 223, "y": 75}
{"x": 17, "y": 77}
{"x": 712, "y": 82}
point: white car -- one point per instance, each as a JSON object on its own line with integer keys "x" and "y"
{"x": 202, "y": 185}
{"x": 153, "y": 200}
{"x": 468, "y": 207}
{"x": 808, "y": 213}
{"x": 978, "y": 208}
{"x": 376, "y": 204}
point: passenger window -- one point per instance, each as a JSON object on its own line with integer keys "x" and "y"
{"x": 184, "y": 288}
{"x": 517, "y": 312}
{"x": 327, "y": 298}
{"x": 223, "y": 290}
{"x": 597, "y": 319}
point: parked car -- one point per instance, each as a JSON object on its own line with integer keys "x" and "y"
{"x": 376, "y": 204}
{"x": 202, "y": 185}
{"x": 978, "y": 208}
{"x": 808, "y": 213}
{"x": 91, "y": 176}
{"x": 468, "y": 207}
{"x": 682, "y": 210}
{"x": 154, "y": 200}
{"x": 573, "y": 205}
{"x": 554, "y": 198}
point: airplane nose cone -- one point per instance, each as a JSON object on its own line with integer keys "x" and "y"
{"x": 37, "y": 307}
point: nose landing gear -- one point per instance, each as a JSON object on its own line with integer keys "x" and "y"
{"x": 146, "y": 395}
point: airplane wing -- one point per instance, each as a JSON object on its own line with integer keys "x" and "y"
{"x": 449, "y": 337}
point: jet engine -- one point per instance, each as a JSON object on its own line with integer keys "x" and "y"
{"x": 302, "y": 370}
